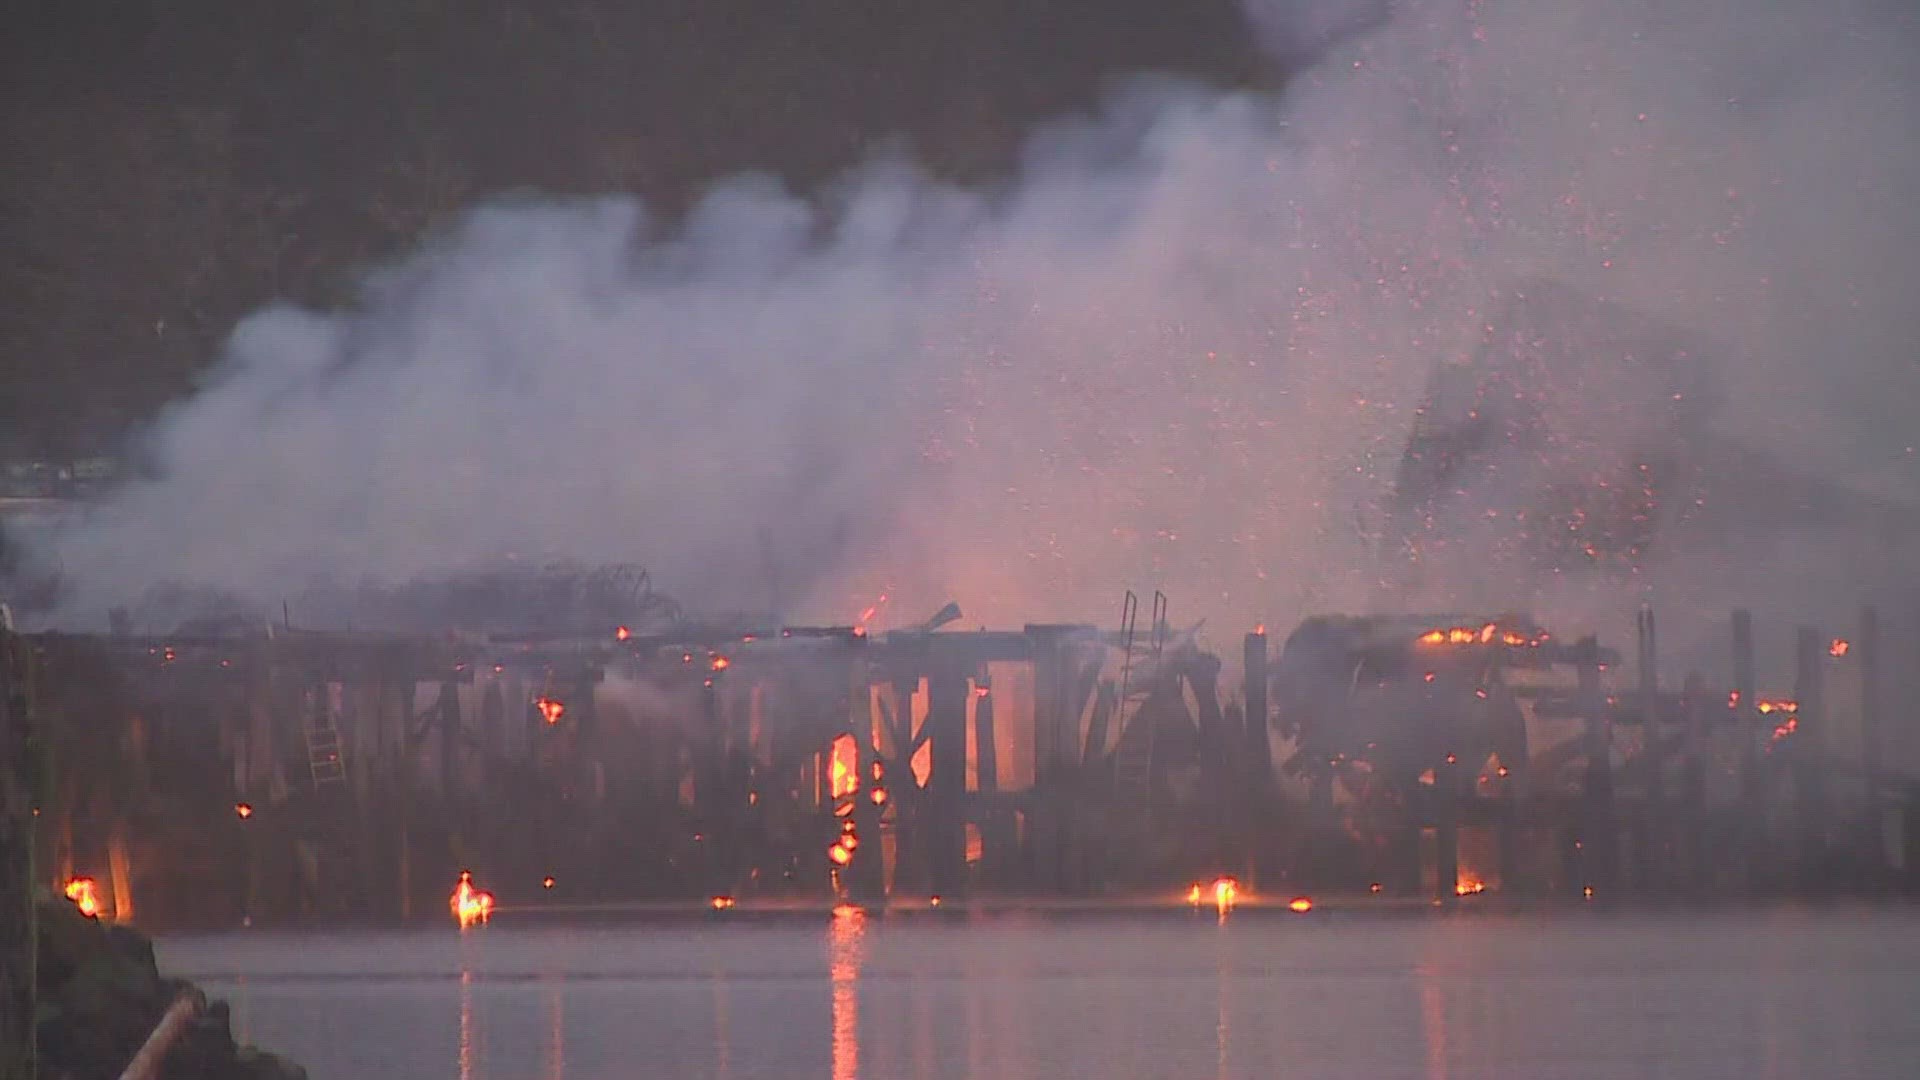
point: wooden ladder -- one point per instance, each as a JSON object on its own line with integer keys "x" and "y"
{"x": 323, "y": 742}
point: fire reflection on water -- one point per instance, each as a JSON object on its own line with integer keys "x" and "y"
{"x": 846, "y": 950}
{"x": 722, "y": 1037}
{"x": 1433, "y": 1023}
{"x": 466, "y": 1023}
{"x": 557, "y": 1033}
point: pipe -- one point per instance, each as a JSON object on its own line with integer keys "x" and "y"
{"x": 173, "y": 1024}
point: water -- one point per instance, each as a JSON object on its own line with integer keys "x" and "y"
{"x": 1747, "y": 995}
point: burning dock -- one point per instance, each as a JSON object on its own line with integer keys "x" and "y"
{"x": 234, "y": 773}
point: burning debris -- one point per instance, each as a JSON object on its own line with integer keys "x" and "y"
{"x": 84, "y": 892}
{"x": 471, "y": 906}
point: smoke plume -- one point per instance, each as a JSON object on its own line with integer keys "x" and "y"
{"x": 1181, "y": 349}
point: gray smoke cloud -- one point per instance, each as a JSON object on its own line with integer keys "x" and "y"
{"x": 1182, "y": 348}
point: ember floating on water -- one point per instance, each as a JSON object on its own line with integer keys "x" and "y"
{"x": 470, "y": 905}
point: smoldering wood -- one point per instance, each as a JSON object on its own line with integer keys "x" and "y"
{"x": 692, "y": 764}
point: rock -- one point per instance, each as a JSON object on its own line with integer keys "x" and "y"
{"x": 101, "y": 995}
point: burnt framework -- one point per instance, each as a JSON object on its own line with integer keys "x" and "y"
{"x": 305, "y": 775}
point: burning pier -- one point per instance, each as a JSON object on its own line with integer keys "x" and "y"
{"x": 280, "y": 774}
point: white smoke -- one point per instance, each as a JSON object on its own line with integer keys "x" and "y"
{"x": 1180, "y": 349}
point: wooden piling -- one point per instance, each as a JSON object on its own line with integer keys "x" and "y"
{"x": 1446, "y": 828}
{"x": 1867, "y": 650}
{"x": 947, "y": 779}
{"x": 1599, "y": 841}
{"x": 1650, "y": 836}
{"x": 19, "y": 926}
{"x": 1254, "y": 689}
{"x": 1753, "y": 795}
{"x": 1809, "y": 743}
{"x": 1699, "y": 854}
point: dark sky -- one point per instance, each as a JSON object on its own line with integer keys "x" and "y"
{"x": 173, "y": 165}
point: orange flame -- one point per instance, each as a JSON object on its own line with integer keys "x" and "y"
{"x": 1839, "y": 647}
{"x": 844, "y": 766}
{"x": 621, "y": 633}
{"x": 1226, "y": 892}
{"x": 840, "y": 855}
{"x": 721, "y": 903}
{"x": 470, "y": 905}
{"x": 83, "y": 891}
{"x": 243, "y": 811}
{"x": 1300, "y": 904}
{"x": 1468, "y": 884}
{"x": 720, "y": 663}
{"x": 550, "y": 710}
{"x": 1193, "y": 895}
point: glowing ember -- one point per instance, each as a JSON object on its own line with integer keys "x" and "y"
{"x": 844, "y": 767}
{"x": 470, "y": 905}
{"x": 547, "y": 882}
{"x": 1839, "y": 647}
{"x": 721, "y": 903}
{"x": 550, "y": 710}
{"x": 1468, "y": 884}
{"x": 83, "y": 891}
{"x": 840, "y": 855}
{"x": 879, "y": 796}
{"x": 1226, "y": 892}
{"x": 1774, "y": 705}
{"x": 1374, "y": 888}
{"x": 1300, "y": 904}
{"x": 243, "y": 811}
{"x": 1485, "y": 634}
{"x": 1587, "y": 892}
{"x": 621, "y": 633}
{"x": 1260, "y": 629}
{"x": 1784, "y": 729}
{"x": 720, "y": 663}
{"x": 934, "y": 900}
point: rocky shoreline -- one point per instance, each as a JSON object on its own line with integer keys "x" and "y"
{"x": 101, "y": 995}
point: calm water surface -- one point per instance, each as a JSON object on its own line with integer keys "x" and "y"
{"x": 1756, "y": 995}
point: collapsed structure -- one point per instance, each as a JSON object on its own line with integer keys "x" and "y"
{"x": 270, "y": 772}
